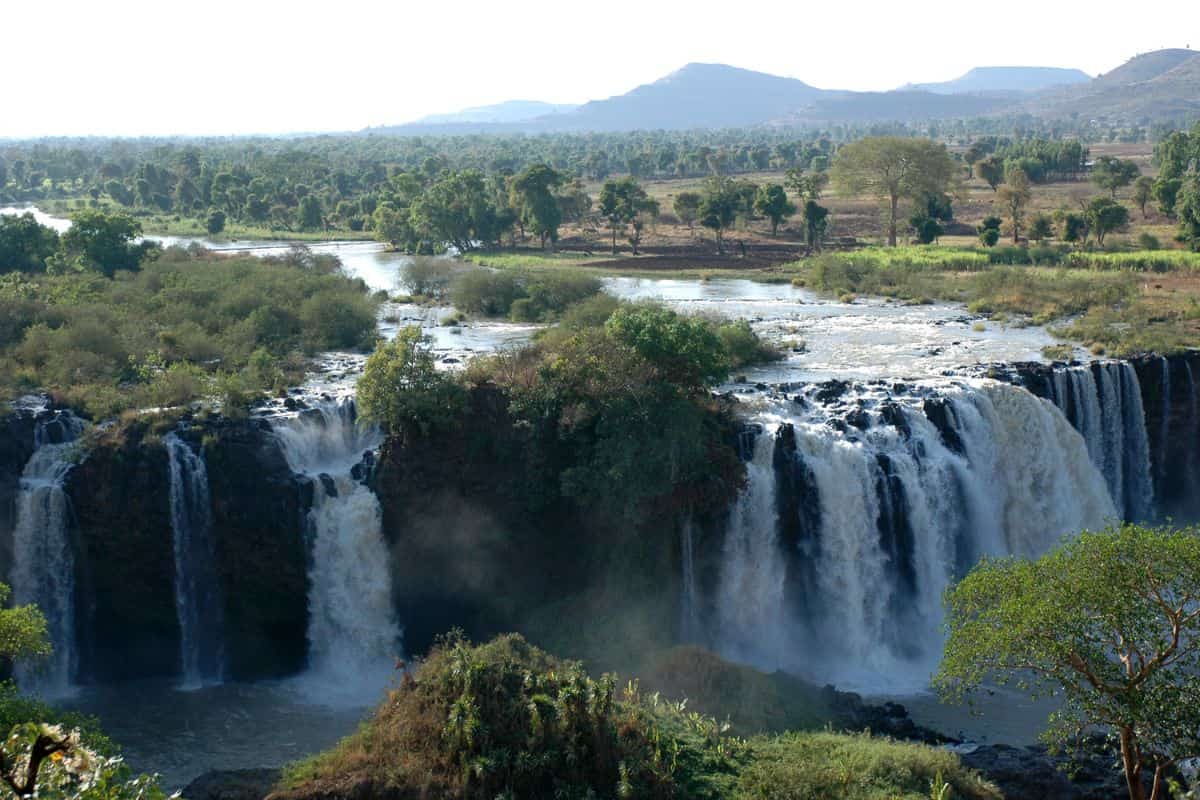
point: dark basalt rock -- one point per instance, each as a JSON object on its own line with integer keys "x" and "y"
{"x": 17, "y": 430}
{"x": 1032, "y": 773}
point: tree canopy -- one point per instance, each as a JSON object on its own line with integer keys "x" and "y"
{"x": 1108, "y": 623}
{"x": 891, "y": 168}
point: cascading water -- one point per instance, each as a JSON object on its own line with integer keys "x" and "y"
{"x": 857, "y": 517}
{"x": 43, "y": 570}
{"x": 689, "y": 612}
{"x": 197, "y": 593}
{"x": 352, "y": 631}
{"x": 1103, "y": 401}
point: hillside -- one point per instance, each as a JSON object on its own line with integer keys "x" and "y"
{"x": 1157, "y": 86}
{"x": 1004, "y": 80}
{"x": 696, "y": 96}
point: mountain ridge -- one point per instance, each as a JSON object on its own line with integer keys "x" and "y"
{"x": 1155, "y": 86}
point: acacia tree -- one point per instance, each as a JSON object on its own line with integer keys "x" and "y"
{"x": 1143, "y": 191}
{"x": 1105, "y": 216}
{"x": 1114, "y": 173}
{"x": 1109, "y": 623}
{"x": 892, "y": 168}
{"x": 1013, "y": 197}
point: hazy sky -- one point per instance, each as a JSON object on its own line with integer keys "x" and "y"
{"x": 259, "y": 66}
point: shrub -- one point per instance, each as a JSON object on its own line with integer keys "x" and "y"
{"x": 402, "y": 390}
{"x": 428, "y": 277}
{"x": 505, "y": 719}
{"x": 799, "y": 766}
{"x": 743, "y": 346}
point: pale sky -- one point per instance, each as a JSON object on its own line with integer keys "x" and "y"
{"x": 128, "y": 67}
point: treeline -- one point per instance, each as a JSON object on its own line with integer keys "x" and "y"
{"x": 1042, "y": 160}
{"x": 322, "y": 182}
{"x": 1177, "y": 188}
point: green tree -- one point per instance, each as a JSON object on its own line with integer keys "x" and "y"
{"x": 989, "y": 231}
{"x": 25, "y": 244}
{"x": 106, "y": 242}
{"x": 310, "y": 215}
{"x": 402, "y": 389}
{"x": 1109, "y": 623}
{"x": 215, "y": 222}
{"x": 1041, "y": 228}
{"x": 1143, "y": 191}
{"x": 1111, "y": 173}
{"x": 684, "y": 348}
{"x": 534, "y": 190}
{"x": 1104, "y": 216}
{"x": 1013, "y": 197}
{"x": 719, "y": 208}
{"x": 687, "y": 207}
{"x": 892, "y": 169}
{"x": 620, "y": 202}
{"x": 1166, "y": 193}
{"x": 771, "y": 201}
{"x": 1188, "y": 210}
{"x": 991, "y": 171}
{"x": 816, "y": 222}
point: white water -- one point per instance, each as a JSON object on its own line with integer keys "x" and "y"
{"x": 197, "y": 593}
{"x": 900, "y": 516}
{"x": 751, "y": 569}
{"x": 689, "y": 616}
{"x": 43, "y": 570}
{"x": 353, "y": 635}
{"x": 1104, "y": 402}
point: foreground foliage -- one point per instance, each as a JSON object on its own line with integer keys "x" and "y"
{"x": 1109, "y": 623}
{"x": 505, "y": 719}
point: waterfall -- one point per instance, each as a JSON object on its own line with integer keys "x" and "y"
{"x": 1164, "y": 423}
{"x": 43, "y": 571}
{"x": 689, "y": 612}
{"x": 1104, "y": 402}
{"x": 198, "y": 602}
{"x": 899, "y": 497}
{"x": 752, "y": 576}
{"x": 352, "y": 631}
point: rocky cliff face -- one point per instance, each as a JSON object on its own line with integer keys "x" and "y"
{"x": 16, "y": 446}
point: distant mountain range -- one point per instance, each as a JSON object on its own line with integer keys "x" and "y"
{"x": 1005, "y": 80}
{"x": 1156, "y": 86}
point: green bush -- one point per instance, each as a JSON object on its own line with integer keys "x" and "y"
{"x": 814, "y": 766}
{"x": 82, "y": 336}
{"x": 402, "y": 390}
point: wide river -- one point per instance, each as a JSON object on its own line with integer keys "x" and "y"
{"x": 181, "y": 734}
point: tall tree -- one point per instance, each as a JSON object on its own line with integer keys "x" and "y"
{"x": 534, "y": 188}
{"x": 1013, "y": 197}
{"x": 719, "y": 208}
{"x": 991, "y": 171}
{"x": 891, "y": 169}
{"x": 1143, "y": 191}
{"x": 621, "y": 201}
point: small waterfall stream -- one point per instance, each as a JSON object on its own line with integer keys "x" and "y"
{"x": 859, "y": 513}
{"x": 352, "y": 630}
{"x": 43, "y": 569}
{"x": 198, "y": 601}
